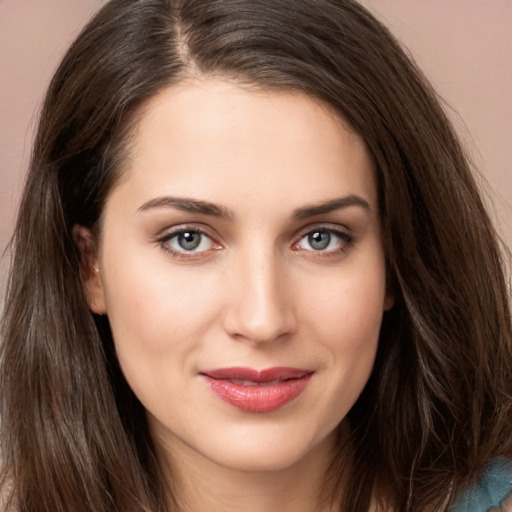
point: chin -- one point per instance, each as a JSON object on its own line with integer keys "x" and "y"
{"x": 261, "y": 461}
{"x": 268, "y": 452}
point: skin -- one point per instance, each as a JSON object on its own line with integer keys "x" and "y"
{"x": 257, "y": 292}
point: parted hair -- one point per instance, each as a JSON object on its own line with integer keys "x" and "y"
{"x": 437, "y": 407}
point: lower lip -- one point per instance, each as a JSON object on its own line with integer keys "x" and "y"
{"x": 258, "y": 398}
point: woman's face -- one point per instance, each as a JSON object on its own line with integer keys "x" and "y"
{"x": 243, "y": 274}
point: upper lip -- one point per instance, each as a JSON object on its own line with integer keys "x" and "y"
{"x": 279, "y": 373}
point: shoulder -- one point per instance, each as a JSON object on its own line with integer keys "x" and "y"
{"x": 492, "y": 493}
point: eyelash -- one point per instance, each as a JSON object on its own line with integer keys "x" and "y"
{"x": 345, "y": 241}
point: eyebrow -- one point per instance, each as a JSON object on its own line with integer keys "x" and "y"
{"x": 189, "y": 205}
{"x": 206, "y": 208}
{"x": 330, "y": 206}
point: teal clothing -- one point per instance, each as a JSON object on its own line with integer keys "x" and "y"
{"x": 492, "y": 489}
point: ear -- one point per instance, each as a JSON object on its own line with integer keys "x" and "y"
{"x": 391, "y": 286}
{"x": 89, "y": 269}
{"x": 389, "y": 300}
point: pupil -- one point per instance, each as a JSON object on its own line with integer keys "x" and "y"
{"x": 189, "y": 240}
{"x": 319, "y": 240}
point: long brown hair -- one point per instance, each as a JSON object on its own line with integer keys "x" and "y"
{"x": 437, "y": 407}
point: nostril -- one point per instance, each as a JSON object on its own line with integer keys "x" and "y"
{"x": 259, "y": 326}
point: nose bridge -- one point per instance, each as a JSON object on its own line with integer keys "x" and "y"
{"x": 260, "y": 308}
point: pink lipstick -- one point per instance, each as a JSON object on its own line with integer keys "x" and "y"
{"x": 257, "y": 390}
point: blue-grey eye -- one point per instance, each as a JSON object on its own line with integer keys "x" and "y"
{"x": 319, "y": 240}
{"x": 323, "y": 240}
{"x": 189, "y": 240}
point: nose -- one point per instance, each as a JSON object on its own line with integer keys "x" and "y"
{"x": 260, "y": 304}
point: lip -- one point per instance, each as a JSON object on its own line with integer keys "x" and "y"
{"x": 253, "y": 390}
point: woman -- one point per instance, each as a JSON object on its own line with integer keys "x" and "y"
{"x": 251, "y": 271}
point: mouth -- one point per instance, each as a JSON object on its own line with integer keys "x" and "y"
{"x": 253, "y": 390}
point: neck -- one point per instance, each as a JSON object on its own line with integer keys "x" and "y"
{"x": 205, "y": 485}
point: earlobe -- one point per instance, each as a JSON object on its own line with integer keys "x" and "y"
{"x": 89, "y": 269}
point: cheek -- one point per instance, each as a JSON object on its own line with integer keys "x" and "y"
{"x": 348, "y": 307}
{"x": 157, "y": 320}
{"x": 158, "y": 315}
{"x": 345, "y": 319}
{"x": 155, "y": 295}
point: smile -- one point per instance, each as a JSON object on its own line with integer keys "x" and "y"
{"x": 257, "y": 390}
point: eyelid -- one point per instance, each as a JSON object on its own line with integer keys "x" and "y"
{"x": 324, "y": 226}
{"x": 179, "y": 228}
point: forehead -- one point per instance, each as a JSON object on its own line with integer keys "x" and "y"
{"x": 216, "y": 140}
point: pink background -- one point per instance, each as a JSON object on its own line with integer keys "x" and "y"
{"x": 463, "y": 46}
